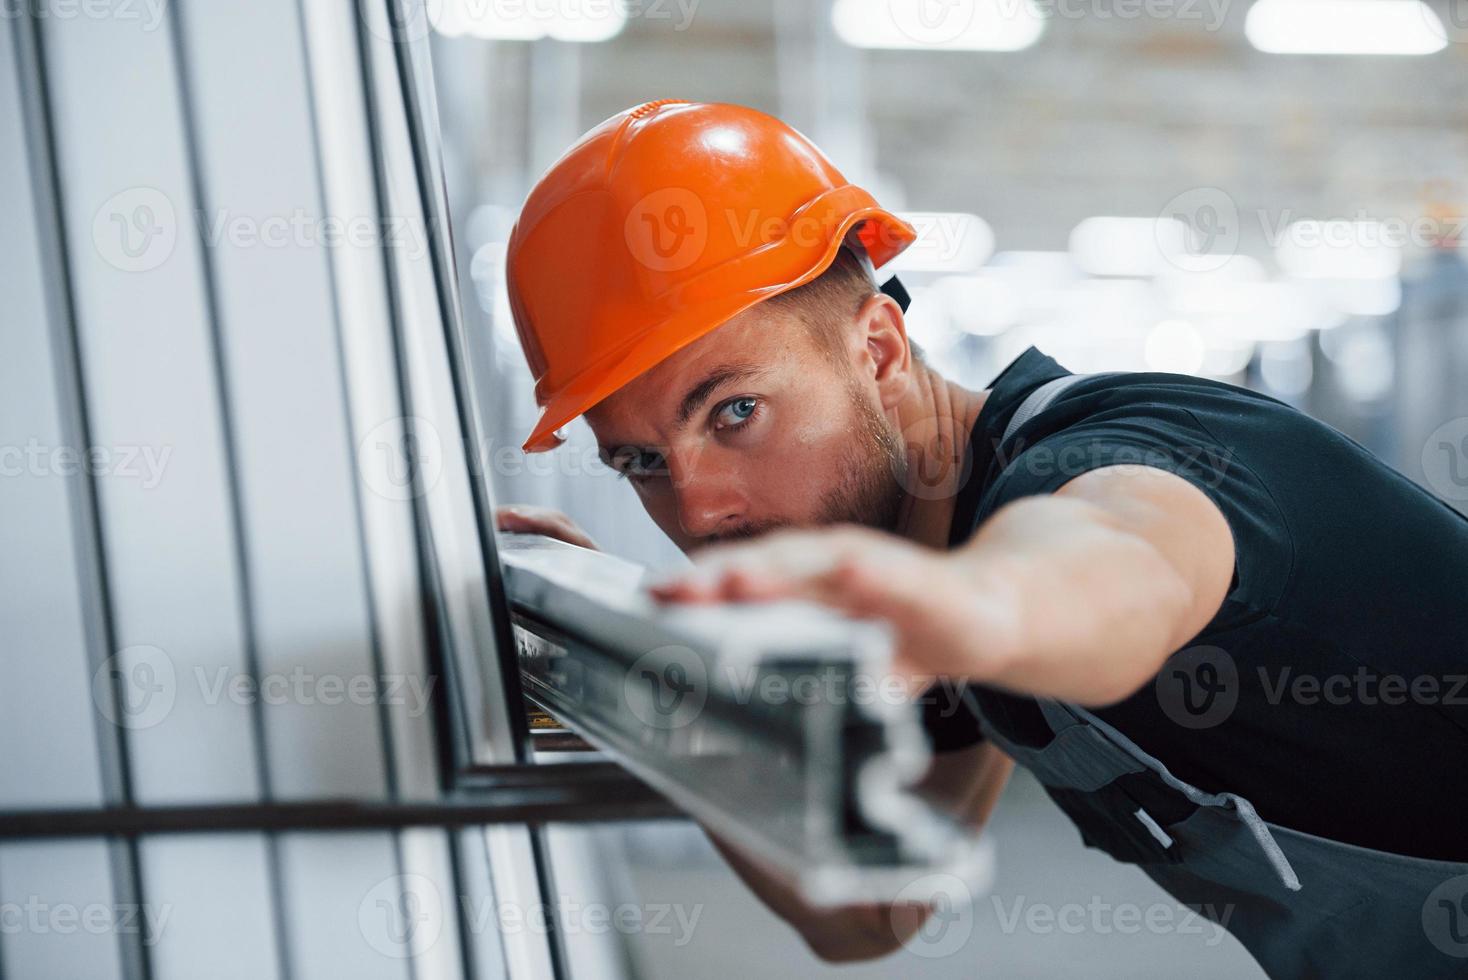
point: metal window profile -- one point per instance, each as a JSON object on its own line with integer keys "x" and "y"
{"x": 768, "y": 724}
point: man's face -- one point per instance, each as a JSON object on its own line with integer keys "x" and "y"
{"x": 752, "y": 428}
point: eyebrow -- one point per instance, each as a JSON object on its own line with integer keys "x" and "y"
{"x": 715, "y": 379}
{"x": 701, "y": 392}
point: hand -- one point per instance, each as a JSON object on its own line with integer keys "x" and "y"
{"x": 525, "y": 519}
{"x": 948, "y": 617}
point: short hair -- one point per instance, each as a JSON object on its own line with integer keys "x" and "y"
{"x": 828, "y": 302}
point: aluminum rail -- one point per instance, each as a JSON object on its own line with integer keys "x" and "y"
{"x": 770, "y": 724}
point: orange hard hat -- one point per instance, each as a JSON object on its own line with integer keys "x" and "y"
{"x": 662, "y": 223}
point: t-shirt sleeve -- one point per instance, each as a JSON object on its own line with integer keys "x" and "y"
{"x": 1171, "y": 439}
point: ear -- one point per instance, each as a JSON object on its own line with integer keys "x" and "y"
{"x": 886, "y": 358}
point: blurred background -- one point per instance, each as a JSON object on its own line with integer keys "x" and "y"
{"x": 1270, "y": 193}
{"x": 1167, "y": 185}
{"x": 226, "y": 366}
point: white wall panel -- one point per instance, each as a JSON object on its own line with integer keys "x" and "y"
{"x": 148, "y": 362}
{"x": 269, "y": 245}
{"x": 47, "y": 721}
{"x": 58, "y": 917}
{"x": 222, "y": 921}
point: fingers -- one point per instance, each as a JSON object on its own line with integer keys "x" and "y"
{"x": 525, "y": 519}
{"x": 780, "y": 565}
{"x": 857, "y": 572}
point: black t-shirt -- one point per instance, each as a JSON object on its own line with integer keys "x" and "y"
{"x": 1331, "y": 689}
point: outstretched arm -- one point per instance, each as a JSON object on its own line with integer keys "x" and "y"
{"x": 1080, "y": 595}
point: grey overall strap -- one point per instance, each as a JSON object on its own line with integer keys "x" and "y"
{"x": 1039, "y": 400}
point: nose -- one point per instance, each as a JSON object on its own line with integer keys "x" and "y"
{"x": 708, "y": 495}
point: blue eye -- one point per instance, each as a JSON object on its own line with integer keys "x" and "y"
{"x": 733, "y": 414}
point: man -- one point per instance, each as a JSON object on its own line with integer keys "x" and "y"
{"x": 1179, "y": 603}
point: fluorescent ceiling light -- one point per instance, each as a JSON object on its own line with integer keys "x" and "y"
{"x": 951, "y": 25}
{"x": 1338, "y": 250}
{"x": 1127, "y": 246}
{"x": 529, "y": 20}
{"x": 1345, "y": 27}
{"x": 947, "y": 242}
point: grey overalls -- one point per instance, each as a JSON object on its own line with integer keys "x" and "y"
{"x": 1304, "y": 906}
